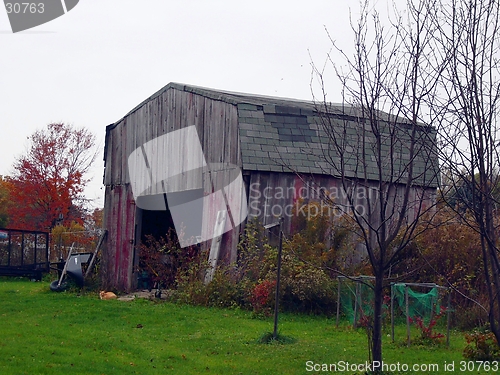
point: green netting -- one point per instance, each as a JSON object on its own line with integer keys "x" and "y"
{"x": 356, "y": 298}
{"x": 423, "y": 305}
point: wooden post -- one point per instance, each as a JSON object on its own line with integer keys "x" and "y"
{"x": 215, "y": 247}
{"x": 408, "y": 333}
{"x": 63, "y": 273}
{"x": 94, "y": 256}
{"x": 433, "y": 305}
{"x": 356, "y": 295}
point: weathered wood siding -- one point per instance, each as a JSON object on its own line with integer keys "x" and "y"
{"x": 217, "y": 126}
{"x": 271, "y": 194}
{"x": 216, "y": 123}
{"x": 118, "y": 251}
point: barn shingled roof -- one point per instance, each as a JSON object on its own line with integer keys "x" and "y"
{"x": 286, "y": 135}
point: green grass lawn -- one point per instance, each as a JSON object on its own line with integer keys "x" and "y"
{"x": 42, "y": 332}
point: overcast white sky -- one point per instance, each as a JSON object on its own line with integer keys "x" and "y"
{"x": 94, "y": 64}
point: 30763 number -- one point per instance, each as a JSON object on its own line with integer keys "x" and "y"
{"x": 25, "y": 8}
{"x": 479, "y": 366}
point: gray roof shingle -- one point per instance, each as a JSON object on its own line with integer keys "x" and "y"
{"x": 287, "y": 134}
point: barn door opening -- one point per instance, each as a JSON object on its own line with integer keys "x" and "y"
{"x": 182, "y": 210}
{"x": 154, "y": 269}
{"x": 178, "y": 210}
{"x": 156, "y": 224}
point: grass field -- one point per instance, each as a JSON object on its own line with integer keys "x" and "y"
{"x": 42, "y": 332}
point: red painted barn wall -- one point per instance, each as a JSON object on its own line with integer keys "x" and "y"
{"x": 119, "y": 220}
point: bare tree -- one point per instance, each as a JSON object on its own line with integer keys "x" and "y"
{"x": 379, "y": 141}
{"x": 469, "y": 35}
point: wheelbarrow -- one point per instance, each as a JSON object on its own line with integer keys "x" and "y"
{"x": 77, "y": 266}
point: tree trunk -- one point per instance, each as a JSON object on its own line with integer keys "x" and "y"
{"x": 377, "y": 318}
{"x": 489, "y": 250}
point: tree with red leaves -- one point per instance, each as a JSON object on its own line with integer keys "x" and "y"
{"x": 5, "y": 188}
{"x": 48, "y": 180}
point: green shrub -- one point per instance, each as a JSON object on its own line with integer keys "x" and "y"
{"x": 222, "y": 291}
{"x": 253, "y": 255}
{"x": 190, "y": 288}
{"x": 250, "y": 284}
{"x": 304, "y": 287}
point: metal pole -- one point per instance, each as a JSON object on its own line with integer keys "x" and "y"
{"x": 278, "y": 275}
{"x": 448, "y": 322}
{"x": 407, "y": 316}
{"x": 338, "y": 299}
{"x": 392, "y": 312}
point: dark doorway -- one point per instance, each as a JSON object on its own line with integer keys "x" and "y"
{"x": 154, "y": 268}
{"x": 156, "y": 224}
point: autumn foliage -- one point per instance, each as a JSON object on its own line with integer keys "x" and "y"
{"x": 262, "y": 297}
{"x": 49, "y": 179}
{"x": 5, "y": 189}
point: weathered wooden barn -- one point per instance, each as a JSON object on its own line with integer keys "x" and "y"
{"x": 277, "y": 144}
